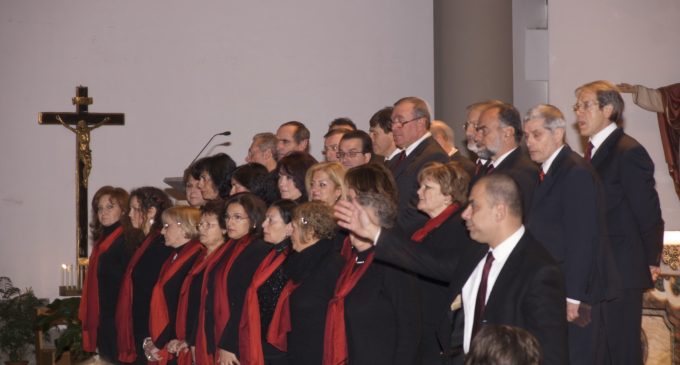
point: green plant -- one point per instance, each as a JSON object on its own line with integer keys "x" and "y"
{"x": 17, "y": 320}
{"x": 64, "y": 312}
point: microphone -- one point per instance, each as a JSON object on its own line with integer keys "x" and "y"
{"x": 225, "y": 133}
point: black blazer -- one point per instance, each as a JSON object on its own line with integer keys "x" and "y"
{"x": 567, "y": 216}
{"x": 406, "y": 176}
{"x": 633, "y": 211}
{"x": 529, "y": 293}
{"x": 525, "y": 172}
{"x": 382, "y": 317}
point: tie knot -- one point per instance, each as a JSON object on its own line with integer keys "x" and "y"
{"x": 489, "y": 257}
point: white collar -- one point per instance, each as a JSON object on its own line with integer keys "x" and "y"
{"x": 415, "y": 144}
{"x": 547, "y": 163}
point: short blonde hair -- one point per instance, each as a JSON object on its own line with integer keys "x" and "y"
{"x": 335, "y": 171}
{"x": 188, "y": 218}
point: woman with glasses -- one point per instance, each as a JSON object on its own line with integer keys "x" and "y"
{"x": 214, "y": 175}
{"x": 233, "y": 276}
{"x": 265, "y": 288}
{"x": 375, "y": 314}
{"x": 212, "y": 230}
{"x": 132, "y": 312}
{"x": 180, "y": 231}
{"x": 300, "y": 316}
{"x": 292, "y": 169}
{"x": 115, "y": 240}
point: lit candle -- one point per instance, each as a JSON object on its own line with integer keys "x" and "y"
{"x": 63, "y": 274}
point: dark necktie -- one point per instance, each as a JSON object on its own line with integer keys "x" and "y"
{"x": 480, "y": 303}
{"x": 479, "y": 167}
{"x": 541, "y": 175}
{"x": 398, "y": 160}
{"x": 589, "y": 151}
{"x": 489, "y": 168}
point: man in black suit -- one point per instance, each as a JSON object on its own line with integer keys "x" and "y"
{"x": 633, "y": 211}
{"x": 567, "y": 216}
{"x": 524, "y": 287}
{"x": 499, "y": 133}
{"x": 410, "y": 129}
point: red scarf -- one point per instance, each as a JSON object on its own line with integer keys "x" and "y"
{"x": 201, "y": 345}
{"x": 346, "y": 250}
{"x": 277, "y": 334}
{"x": 88, "y": 312}
{"x": 250, "y": 335}
{"x": 222, "y": 310}
{"x": 159, "y": 318}
{"x": 335, "y": 337}
{"x": 430, "y": 225}
{"x": 124, "y": 327}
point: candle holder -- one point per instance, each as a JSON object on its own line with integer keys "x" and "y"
{"x": 69, "y": 291}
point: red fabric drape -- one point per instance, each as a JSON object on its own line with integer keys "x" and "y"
{"x": 432, "y": 223}
{"x": 222, "y": 310}
{"x": 88, "y": 312}
{"x": 124, "y": 327}
{"x": 201, "y": 351}
{"x": 159, "y": 318}
{"x": 277, "y": 334}
{"x": 250, "y": 336}
{"x": 335, "y": 337}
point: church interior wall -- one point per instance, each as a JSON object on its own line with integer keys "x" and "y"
{"x": 181, "y": 72}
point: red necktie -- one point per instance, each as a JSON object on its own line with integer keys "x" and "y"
{"x": 480, "y": 303}
{"x": 398, "y": 159}
{"x": 489, "y": 169}
{"x": 541, "y": 175}
{"x": 478, "y": 167}
{"x": 589, "y": 150}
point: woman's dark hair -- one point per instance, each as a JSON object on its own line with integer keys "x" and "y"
{"x": 285, "y": 207}
{"x": 254, "y": 177}
{"x": 152, "y": 197}
{"x": 220, "y": 167}
{"x": 218, "y": 209}
{"x": 254, "y": 207}
{"x": 132, "y": 235}
{"x": 374, "y": 186}
{"x": 295, "y": 165}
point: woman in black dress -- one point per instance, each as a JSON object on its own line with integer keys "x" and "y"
{"x": 115, "y": 241}
{"x": 263, "y": 293}
{"x": 300, "y": 317}
{"x": 375, "y": 314}
{"x": 132, "y": 314}
{"x": 214, "y": 175}
{"x": 181, "y": 233}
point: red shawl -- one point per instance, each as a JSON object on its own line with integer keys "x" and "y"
{"x": 430, "y": 225}
{"x": 335, "y": 337}
{"x": 222, "y": 310}
{"x": 277, "y": 335}
{"x": 201, "y": 351}
{"x": 159, "y": 318}
{"x": 250, "y": 335}
{"x": 88, "y": 313}
{"x": 124, "y": 327}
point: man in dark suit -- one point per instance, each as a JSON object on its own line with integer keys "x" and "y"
{"x": 567, "y": 216}
{"x": 499, "y": 133}
{"x": 410, "y": 128}
{"x": 511, "y": 280}
{"x": 633, "y": 211}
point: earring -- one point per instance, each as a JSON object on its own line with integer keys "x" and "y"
{"x": 151, "y": 221}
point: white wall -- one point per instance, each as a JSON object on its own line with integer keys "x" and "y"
{"x": 622, "y": 41}
{"x": 180, "y": 71}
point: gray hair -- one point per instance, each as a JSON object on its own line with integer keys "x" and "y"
{"x": 551, "y": 115}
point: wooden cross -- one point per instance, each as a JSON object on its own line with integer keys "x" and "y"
{"x": 81, "y": 123}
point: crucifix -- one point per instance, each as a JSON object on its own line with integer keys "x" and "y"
{"x": 81, "y": 123}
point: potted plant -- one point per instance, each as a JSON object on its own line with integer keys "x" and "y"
{"x": 63, "y": 314}
{"x": 17, "y": 321}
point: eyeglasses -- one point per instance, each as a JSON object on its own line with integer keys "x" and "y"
{"x": 469, "y": 123}
{"x": 402, "y": 123}
{"x": 330, "y": 148}
{"x": 167, "y": 225}
{"x": 236, "y": 218}
{"x": 207, "y": 225}
{"x": 585, "y": 105}
{"x": 350, "y": 154}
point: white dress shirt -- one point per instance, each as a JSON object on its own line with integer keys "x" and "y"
{"x": 469, "y": 292}
{"x": 598, "y": 138}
